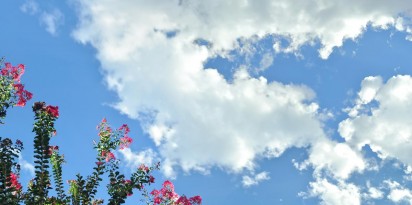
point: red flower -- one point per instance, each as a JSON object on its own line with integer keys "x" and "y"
{"x": 151, "y": 179}
{"x": 99, "y": 163}
{"x": 53, "y": 111}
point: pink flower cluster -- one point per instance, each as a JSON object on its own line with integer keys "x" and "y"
{"x": 125, "y": 141}
{"x": 109, "y": 156}
{"x": 167, "y": 195}
{"x": 15, "y": 73}
{"x": 144, "y": 168}
{"x": 14, "y": 181}
{"x": 104, "y": 130}
{"x": 22, "y": 94}
{"x": 53, "y": 149}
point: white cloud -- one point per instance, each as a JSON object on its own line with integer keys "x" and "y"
{"x": 374, "y": 193}
{"x": 338, "y": 159}
{"x": 385, "y": 127}
{"x": 248, "y": 181}
{"x": 195, "y": 116}
{"x": 337, "y": 194}
{"x": 266, "y": 61}
{"x": 222, "y": 22}
{"x": 134, "y": 160}
{"x": 370, "y": 86}
{"x": 398, "y": 193}
{"x": 52, "y": 20}
{"x": 30, "y": 7}
{"x": 25, "y": 165}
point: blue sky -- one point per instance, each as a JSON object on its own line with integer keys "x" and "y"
{"x": 242, "y": 102}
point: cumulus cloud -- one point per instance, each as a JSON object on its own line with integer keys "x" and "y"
{"x": 398, "y": 193}
{"x": 337, "y": 159}
{"x": 374, "y": 193}
{"x": 385, "y": 119}
{"x": 52, "y": 20}
{"x": 248, "y": 181}
{"x": 222, "y": 23}
{"x": 338, "y": 194}
{"x": 151, "y": 56}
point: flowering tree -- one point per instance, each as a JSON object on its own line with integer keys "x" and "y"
{"x": 82, "y": 190}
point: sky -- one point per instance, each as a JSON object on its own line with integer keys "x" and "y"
{"x": 242, "y": 102}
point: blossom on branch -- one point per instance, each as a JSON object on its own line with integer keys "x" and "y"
{"x": 53, "y": 111}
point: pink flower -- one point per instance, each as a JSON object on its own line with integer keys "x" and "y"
{"x": 125, "y": 129}
{"x": 52, "y": 149}
{"x": 22, "y": 94}
{"x": 169, "y": 185}
{"x": 183, "y": 201}
{"x": 157, "y": 200}
{"x": 168, "y": 190}
{"x": 196, "y": 200}
{"x": 14, "y": 72}
{"x": 23, "y": 98}
{"x": 14, "y": 181}
{"x": 125, "y": 142}
{"x": 155, "y": 193}
{"x": 143, "y": 167}
{"x": 53, "y": 111}
{"x": 109, "y": 156}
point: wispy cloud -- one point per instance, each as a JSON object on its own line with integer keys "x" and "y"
{"x": 25, "y": 165}
{"x": 30, "y": 7}
{"x": 52, "y": 20}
